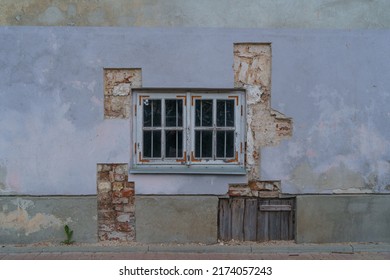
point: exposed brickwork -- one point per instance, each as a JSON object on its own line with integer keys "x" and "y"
{"x": 116, "y": 208}
{"x": 266, "y": 127}
{"x": 117, "y": 91}
{"x": 264, "y": 189}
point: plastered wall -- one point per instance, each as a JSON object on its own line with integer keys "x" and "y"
{"x": 333, "y": 84}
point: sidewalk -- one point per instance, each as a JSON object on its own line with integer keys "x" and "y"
{"x": 269, "y": 250}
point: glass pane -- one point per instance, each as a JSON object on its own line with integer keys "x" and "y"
{"x": 152, "y": 144}
{"x": 156, "y": 144}
{"x": 152, "y": 112}
{"x": 173, "y": 144}
{"x": 147, "y": 145}
{"x": 156, "y": 116}
{"x": 147, "y": 113}
{"x": 174, "y": 113}
{"x": 225, "y": 113}
{"x": 229, "y": 144}
{"x": 225, "y": 144}
{"x": 204, "y": 113}
{"x": 203, "y": 144}
{"x": 220, "y": 144}
{"x": 197, "y": 112}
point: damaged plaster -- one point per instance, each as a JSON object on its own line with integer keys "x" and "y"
{"x": 31, "y": 219}
{"x": 23, "y": 222}
{"x": 265, "y": 126}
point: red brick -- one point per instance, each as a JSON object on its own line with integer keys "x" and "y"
{"x": 124, "y": 227}
{"x": 103, "y": 176}
{"x": 127, "y": 192}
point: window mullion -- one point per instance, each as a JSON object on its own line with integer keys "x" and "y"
{"x": 189, "y": 128}
{"x": 163, "y": 117}
{"x": 214, "y": 145}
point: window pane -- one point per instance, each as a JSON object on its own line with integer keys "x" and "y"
{"x": 156, "y": 153}
{"x": 147, "y": 144}
{"x": 225, "y": 144}
{"x": 225, "y": 113}
{"x": 173, "y": 144}
{"x": 147, "y": 113}
{"x": 203, "y": 144}
{"x": 152, "y": 113}
{"x": 156, "y": 109}
{"x": 152, "y": 144}
{"x": 204, "y": 113}
{"x": 174, "y": 113}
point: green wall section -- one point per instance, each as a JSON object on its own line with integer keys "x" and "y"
{"x": 178, "y": 219}
{"x": 343, "y": 218}
{"x": 29, "y": 219}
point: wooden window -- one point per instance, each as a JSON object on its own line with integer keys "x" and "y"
{"x": 191, "y": 131}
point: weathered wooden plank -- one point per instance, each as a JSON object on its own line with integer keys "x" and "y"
{"x": 275, "y": 207}
{"x": 285, "y": 221}
{"x": 291, "y": 232}
{"x": 238, "y": 209}
{"x": 274, "y": 221}
{"x": 262, "y": 221}
{"x": 250, "y": 219}
{"x": 224, "y": 220}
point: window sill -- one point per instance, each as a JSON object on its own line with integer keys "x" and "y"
{"x": 200, "y": 170}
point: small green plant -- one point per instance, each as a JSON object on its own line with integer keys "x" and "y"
{"x": 69, "y": 235}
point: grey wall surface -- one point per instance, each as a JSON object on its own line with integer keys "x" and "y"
{"x": 334, "y": 85}
{"x": 27, "y": 219}
{"x": 178, "y": 219}
{"x": 344, "y": 218}
{"x": 199, "y": 13}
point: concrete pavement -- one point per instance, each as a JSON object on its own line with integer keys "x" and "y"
{"x": 269, "y": 250}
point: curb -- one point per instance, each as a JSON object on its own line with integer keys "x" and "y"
{"x": 204, "y": 249}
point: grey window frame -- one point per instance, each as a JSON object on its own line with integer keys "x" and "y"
{"x": 189, "y": 163}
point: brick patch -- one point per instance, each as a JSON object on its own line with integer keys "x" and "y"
{"x": 117, "y": 91}
{"x": 264, "y": 189}
{"x": 116, "y": 208}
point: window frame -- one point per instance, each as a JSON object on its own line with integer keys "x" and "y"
{"x": 189, "y": 163}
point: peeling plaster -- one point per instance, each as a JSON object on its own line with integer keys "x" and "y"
{"x": 265, "y": 126}
{"x": 22, "y": 221}
{"x": 337, "y": 178}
